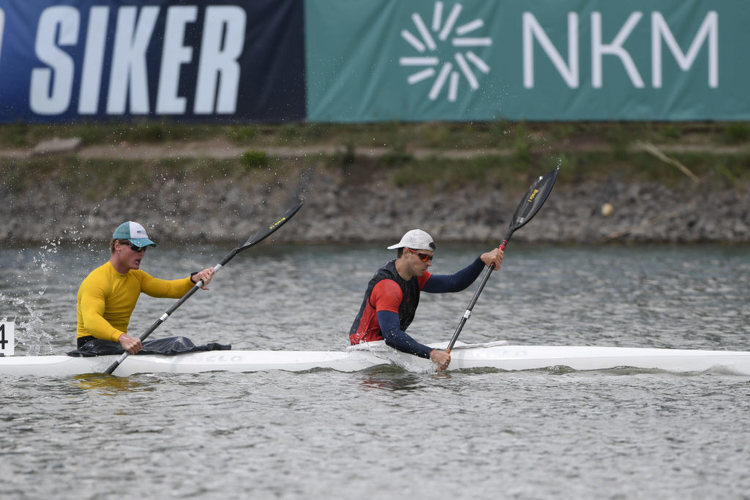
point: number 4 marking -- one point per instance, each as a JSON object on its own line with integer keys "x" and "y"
{"x": 7, "y": 343}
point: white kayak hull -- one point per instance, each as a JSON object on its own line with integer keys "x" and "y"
{"x": 198, "y": 362}
{"x": 496, "y": 355}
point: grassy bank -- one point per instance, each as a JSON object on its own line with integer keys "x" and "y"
{"x": 439, "y": 136}
{"x": 499, "y": 153}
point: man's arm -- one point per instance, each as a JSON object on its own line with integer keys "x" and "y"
{"x": 172, "y": 289}
{"x": 386, "y": 297}
{"x": 445, "y": 283}
{"x": 399, "y": 339}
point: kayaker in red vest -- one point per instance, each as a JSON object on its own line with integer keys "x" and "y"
{"x": 107, "y": 297}
{"x": 392, "y": 295}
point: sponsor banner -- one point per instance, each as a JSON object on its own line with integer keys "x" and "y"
{"x": 103, "y": 60}
{"x": 468, "y": 60}
{"x": 374, "y": 60}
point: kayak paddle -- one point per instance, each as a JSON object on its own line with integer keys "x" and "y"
{"x": 530, "y": 205}
{"x": 259, "y": 236}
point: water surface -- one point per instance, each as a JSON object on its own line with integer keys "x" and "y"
{"x": 385, "y": 432}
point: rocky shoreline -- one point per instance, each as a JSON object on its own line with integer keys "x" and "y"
{"x": 341, "y": 209}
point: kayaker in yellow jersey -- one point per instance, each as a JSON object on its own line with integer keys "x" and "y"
{"x": 107, "y": 297}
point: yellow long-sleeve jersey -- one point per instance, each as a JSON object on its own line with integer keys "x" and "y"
{"x": 106, "y": 299}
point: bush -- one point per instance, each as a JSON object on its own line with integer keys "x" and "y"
{"x": 254, "y": 159}
{"x": 737, "y": 132}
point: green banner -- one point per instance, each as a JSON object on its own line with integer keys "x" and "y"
{"x": 381, "y": 60}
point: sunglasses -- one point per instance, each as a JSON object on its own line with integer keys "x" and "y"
{"x": 137, "y": 249}
{"x": 424, "y": 257}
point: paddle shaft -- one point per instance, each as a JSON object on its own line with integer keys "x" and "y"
{"x": 252, "y": 241}
{"x": 474, "y": 299}
{"x": 527, "y": 209}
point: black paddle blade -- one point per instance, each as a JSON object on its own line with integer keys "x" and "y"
{"x": 265, "y": 232}
{"x": 534, "y": 199}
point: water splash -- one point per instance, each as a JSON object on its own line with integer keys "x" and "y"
{"x": 30, "y": 331}
{"x": 26, "y": 309}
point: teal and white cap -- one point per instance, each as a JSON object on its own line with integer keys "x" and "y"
{"x": 133, "y": 232}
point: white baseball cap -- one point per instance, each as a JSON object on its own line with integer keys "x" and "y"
{"x": 133, "y": 232}
{"x": 416, "y": 239}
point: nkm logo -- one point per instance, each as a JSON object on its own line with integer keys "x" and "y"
{"x": 453, "y": 37}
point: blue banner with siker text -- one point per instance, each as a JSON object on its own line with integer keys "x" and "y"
{"x": 106, "y": 59}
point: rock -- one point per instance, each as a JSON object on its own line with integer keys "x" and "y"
{"x": 371, "y": 212}
{"x": 57, "y": 146}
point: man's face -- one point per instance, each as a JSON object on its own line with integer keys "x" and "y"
{"x": 130, "y": 255}
{"x": 419, "y": 260}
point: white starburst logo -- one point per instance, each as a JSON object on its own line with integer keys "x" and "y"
{"x": 466, "y": 60}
